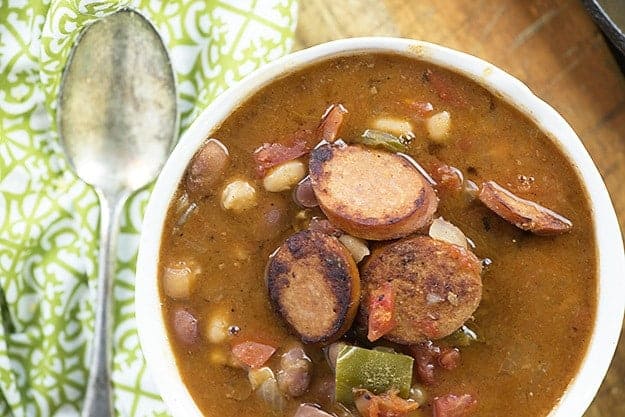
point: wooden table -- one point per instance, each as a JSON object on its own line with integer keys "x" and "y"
{"x": 551, "y": 45}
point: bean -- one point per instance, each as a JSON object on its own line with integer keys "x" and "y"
{"x": 238, "y": 195}
{"x": 295, "y": 372}
{"x": 284, "y": 176}
{"x": 438, "y": 126}
{"x": 304, "y": 196}
{"x": 179, "y": 279}
{"x": 207, "y": 168}
{"x": 185, "y": 326}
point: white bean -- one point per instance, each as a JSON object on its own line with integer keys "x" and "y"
{"x": 179, "y": 279}
{"x": 357, "y": 247}
{"x": 284, "y": 176}
{"x": 439, "y": 126}
{"x": 238, "y": 195}
{"x": 217, "y": 328}
{"x": 393, "y": 125}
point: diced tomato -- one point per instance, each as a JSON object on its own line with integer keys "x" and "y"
{"x": 381, "y": 312}
{"x": 442, "y": 85}
{"x": 447, "y": 178}
{"x": 388, "y": 404}
{"x": 252, "y": 354}
{"x": 451, "y": 405}
{"x": 331, "y": 123}
{"x": 272, "y": 154}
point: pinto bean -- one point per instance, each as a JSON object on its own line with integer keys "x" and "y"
{"x": 303, "y": 195}
{"x": 207, "y": 168}
{"x": 185, "y": 326}
{"x": 295, "y": 372}
{"x": 524, "y": 214}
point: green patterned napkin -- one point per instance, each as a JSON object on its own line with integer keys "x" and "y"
{"x": 49, "y": 219}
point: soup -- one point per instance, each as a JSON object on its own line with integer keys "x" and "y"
{"x": 375, "y": 212}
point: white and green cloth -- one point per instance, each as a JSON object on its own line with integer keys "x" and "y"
{"x": 49, "y": 218}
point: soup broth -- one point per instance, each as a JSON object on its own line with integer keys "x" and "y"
{"x": 538, "y": 301}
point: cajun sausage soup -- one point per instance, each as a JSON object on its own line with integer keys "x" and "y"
{"x": 376, "y": 236}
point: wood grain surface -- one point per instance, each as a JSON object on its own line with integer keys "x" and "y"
{"x": 552, "y": 46}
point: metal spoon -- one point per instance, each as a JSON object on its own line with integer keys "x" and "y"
{"x": 117, "y": 120}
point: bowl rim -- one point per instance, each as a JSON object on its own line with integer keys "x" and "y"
{"x": 611, "y": 257}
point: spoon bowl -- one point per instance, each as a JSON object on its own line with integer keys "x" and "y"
{"x": 117, "y": 120}
{"x": 117, "y": 108}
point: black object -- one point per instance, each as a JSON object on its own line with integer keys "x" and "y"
{"x": 610, "y": 16}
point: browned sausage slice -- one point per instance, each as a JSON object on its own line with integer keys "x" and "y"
{"x": 524, "y": 214}
{"x": 369, "y": 193}
{"x": 314, "y": 285}
{"x": 437, "y": 286}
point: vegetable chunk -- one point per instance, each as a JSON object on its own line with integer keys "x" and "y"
{"x": 252, "y": 354}
{"x": 384, "y": 405}
{"x": 314, "y": 285}
{"x": 370, "y": 193}
{"x": 331, "y": 122}
{"x": 381, "y": 312}
{"x": 524, "y": 214}
{"x": 373, "y": 370}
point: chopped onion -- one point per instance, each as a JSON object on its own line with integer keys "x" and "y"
{"x": 357, "y": 247}
{"x": 418, "y": 394}
{"x": 332, "y": 352}
{"x": 444, "y": 231}
{"x": 270, "y": 393}
{"x": 471, "y": 190}
{"x": 185, "y": 215}
{"x": 464, "y": 336}
{"x": 419, "y": 168}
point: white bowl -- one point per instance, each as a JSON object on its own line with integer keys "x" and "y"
{"x": 611, "y": 288}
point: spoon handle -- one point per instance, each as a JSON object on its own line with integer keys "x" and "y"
{"x": 98, "y": 397}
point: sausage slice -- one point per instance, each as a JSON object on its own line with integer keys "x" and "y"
{"x": 437, "y": 286}
{"x": 369, "y": 193}
{"x": 314, "y": 285}
{"x": 524, "y": 214}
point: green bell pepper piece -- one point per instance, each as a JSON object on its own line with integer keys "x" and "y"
{"x": 374, "y": 370}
